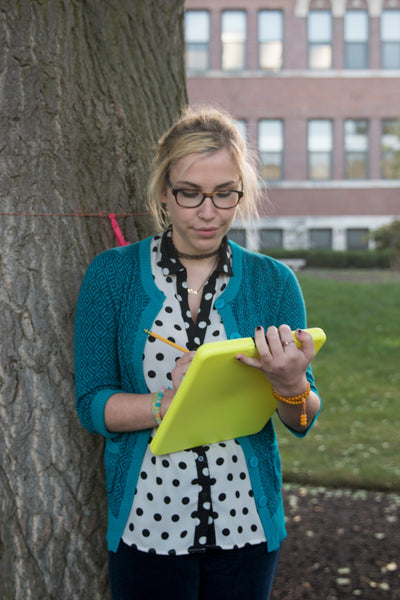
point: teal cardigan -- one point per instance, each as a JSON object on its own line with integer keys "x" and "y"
{"x": 117, "y": 301}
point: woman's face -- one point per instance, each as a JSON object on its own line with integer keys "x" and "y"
{"x": 200, "y": 230}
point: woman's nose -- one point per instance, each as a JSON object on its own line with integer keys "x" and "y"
{"x": 207, "y": 208}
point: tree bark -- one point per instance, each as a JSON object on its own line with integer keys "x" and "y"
{"x": 86, "y": 88}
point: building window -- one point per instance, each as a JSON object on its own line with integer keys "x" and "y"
{"x": 270, "y": 40}
{"x": 197, "y": 39}
{"x": 233, "y": 37}
{"x": 356, "y": 39}
{"x": 390, "y": 149}
{"x": 320, "y": 149}
{"x": 320, "y": 239}
{"x": 271, "y": 238}
{"x": 241, "y": 125}
{"x": 390, "y": 37}
{"x": 356, "y": 149}
{"x": 270, "y": 145}
{"x": 238, "y": 236}
{"x": 319, "y": 39}
{"x": 357, "y": 239}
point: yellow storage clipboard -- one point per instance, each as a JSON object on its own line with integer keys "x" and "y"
{"x": 219, "y": 398}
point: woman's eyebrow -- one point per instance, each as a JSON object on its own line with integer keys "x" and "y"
{"x": 198, "y": 187}
{"x": 187, "y": 183}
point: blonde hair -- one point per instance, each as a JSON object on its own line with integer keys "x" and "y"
{"x": 202, "y": 130}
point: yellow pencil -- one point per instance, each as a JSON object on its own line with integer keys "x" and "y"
{"x": 159, "y": 337}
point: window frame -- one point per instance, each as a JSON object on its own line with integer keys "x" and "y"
{"x": 354, "y": 152}
{"x": 361, "y": 231}
{"x": 205, "y": 45}
{"x": 315, "y": 152}
{"x": 320, "y": 230}
{"x": 353, "y": 43}
{"x": 242, "y": 127}
{"x": 392, "y": 42}
{"x": 275, "y": 231}
{"x": 271, "y": 41}
{"x": 389, "y": 154}
{"x": 273, "y": 151}
{"x": 238, "y": 235}
{"x": 243, "y": 43}
{"x": 319, "y": 43}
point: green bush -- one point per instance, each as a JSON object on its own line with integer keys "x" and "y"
{"x": 387, "y": 236}
{"x": 338, "y": 259}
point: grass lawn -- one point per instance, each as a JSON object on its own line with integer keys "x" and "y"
{"x": 354, "y": 442}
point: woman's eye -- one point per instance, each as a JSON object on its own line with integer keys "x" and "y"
{"x": 189, "y": 193}
{"x": 223, "y": 194}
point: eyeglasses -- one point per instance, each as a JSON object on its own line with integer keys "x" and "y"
{"x": 192, "y": 198}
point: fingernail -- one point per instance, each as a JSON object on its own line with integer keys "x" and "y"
{"x": 258, "y": 328}
{"x": 299, "y": 331}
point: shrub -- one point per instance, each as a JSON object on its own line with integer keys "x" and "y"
{"x": 387, "y": 236}
{"x": 338, "y": 259}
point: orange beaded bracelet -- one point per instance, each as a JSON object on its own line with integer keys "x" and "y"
{"x": 295, "y": 400}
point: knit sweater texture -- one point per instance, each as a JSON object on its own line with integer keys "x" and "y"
{"x": 117, "y": 302}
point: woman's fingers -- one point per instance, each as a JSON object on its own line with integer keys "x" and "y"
{"x": 181, "y": 366}
{"x": 307, "y": 343}
{"x": 279, "y": 357}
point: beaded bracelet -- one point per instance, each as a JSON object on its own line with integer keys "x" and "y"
{"x": 156, "y": 405}
{"x": 295, "y": 400}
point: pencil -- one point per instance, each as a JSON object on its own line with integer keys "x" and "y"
{"x": 159, "y": 337}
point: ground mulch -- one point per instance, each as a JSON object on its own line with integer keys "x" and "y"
{"x": 341, "y": 544}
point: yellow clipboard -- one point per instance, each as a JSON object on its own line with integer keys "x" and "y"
{"x": 219, "y": 398}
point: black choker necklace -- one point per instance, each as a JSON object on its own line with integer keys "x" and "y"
{"x": 196, "y": 256}
{"x": 192, "y": 256}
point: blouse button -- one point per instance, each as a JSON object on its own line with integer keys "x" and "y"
{"x": 219, "y": 303}
{"x": 254, "y": 461}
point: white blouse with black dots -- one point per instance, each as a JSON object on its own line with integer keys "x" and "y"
{"x": 195, "y": 499}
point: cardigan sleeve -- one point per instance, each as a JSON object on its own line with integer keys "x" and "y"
{"x": 291, "y": 307}
{"x": 292, "y": 311}
{"x": 97, "y": 374}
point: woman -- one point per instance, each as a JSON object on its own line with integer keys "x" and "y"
{"x": 207, "y": 522}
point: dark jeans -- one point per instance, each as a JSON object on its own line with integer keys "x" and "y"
{"x": 245, "y": 573}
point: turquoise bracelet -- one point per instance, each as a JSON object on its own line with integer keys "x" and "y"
{"x": 156, "y": 405}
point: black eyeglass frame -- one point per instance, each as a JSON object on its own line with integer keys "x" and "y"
{"x": 211, "y": 196}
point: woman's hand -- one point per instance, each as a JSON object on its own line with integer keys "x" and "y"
{"x": 132, "y": 412}
{"x": 177, "y": 374}
{"x": 281, "y": 361}
{"x": 181, "y": 366}
{"x": 285, "y": 367}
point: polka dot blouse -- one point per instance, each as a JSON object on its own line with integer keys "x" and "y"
{"x": 188, "y": 501}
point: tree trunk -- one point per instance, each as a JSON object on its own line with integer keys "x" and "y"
{"x": 86, "y": 87}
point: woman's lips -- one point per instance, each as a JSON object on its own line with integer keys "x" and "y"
{"x": 207, "y": 233}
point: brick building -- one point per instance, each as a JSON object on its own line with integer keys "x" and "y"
{"x": 315, "y": 87}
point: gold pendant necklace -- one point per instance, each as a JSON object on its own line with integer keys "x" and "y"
{"x": 190, "y": 291}
{"x": 195, "y": 292}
